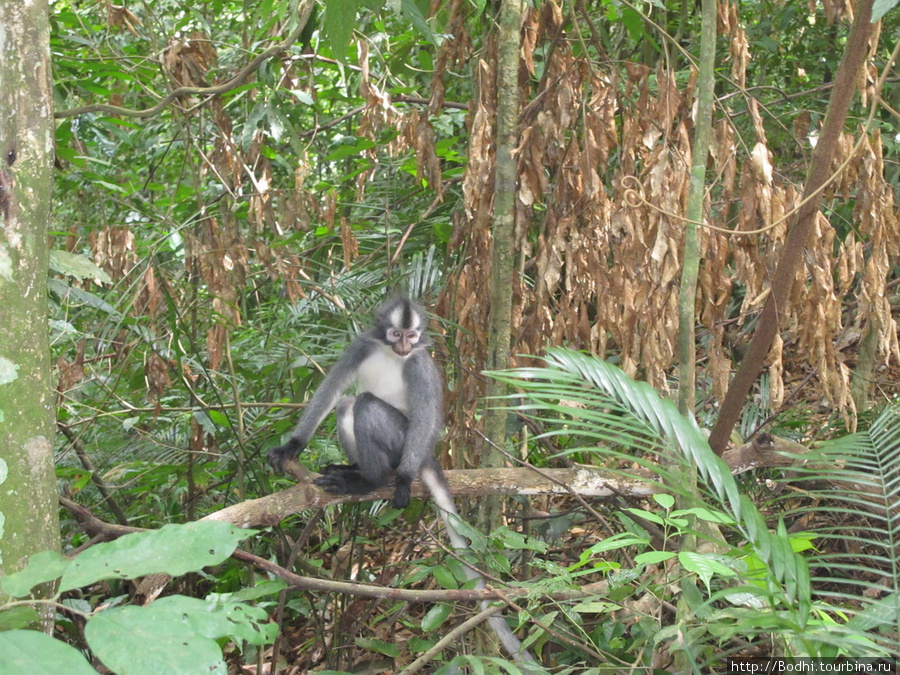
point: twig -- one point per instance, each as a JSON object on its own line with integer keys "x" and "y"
{"x": 445, "y": 641}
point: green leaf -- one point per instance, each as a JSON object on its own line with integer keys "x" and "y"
{"x": 436, "y": 616}
{"x": 664, "y": 500}
{"x": 617, "y": 541}
{"x": 653, "y": 557}
{"x": 176, "y": 634}
{"x": 445, "y": 578}
{"x": 302, "y": 96}
{"x": 350, "y": 149}
{"x": 142, "y": 641}
{"x": 411, "y": 11}
{"x": 380, "y": 646}
{"x": 28, "y": 652}
{"x": 704, "y": 565}
{"x": 882, "y": 7}
{"x": 633, "y": 22}
{"x": 516, "y": 541}
{"x": 705, "y": 514}
{"x": 41, "y": 568}
{"x": 418, "y": 645}
{"x": 338, "y": 24}
{"x": 18, "y": 617}
{"x": 260, "y": 590}
{"x": 77, "y": 266}
{"x": 694, "y": 598}
{"x": 173, "y": 549}
{"x": 646, "y": 515}
{"x": 595, "y": 607}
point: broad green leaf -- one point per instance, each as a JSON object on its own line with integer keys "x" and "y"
{"x": 418, "y": 645}
{"x": 646, "y": 515}
{"x": 379, "y": 646}
{"x": 882, "y": 7}
{"x": 706, "y": 514}
{"x": 516, "y": 541}
{"x": 77, "y": 266}
{"x": 653, "y": 557}
{"x": 350, "y": 149}
{"x": 445, "y": 578}
{"x": 338, "y": 25}
{"x": 595, "y": 607}
{"x": 664, "y": 500}
{"x": 212, "y": 619}
{"x": 260, "y": 590}
{"x": 411, "y": 11}
{"x": 435, "y": 616}
{"x": 173, "y": 549}
{"x": 18, "y": 617}
{"x": 704, "y": 566}
{"x": 142, "y": 641}
{"x": 41, "y": 568}
{"x": 617, "y": 541}
{"x": 28, "y": 652}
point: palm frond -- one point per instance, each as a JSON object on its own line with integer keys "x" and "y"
{"x": 849, "y": 497}
{"x": 603, "y": 403}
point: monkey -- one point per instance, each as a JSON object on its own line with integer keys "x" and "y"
{"x": 394, "y": 423}
{"x": 391, "y": 427}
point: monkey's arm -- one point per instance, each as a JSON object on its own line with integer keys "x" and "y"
{"x": 338, "y": 379}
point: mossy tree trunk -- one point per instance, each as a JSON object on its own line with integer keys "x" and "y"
{"x": 28, "y": 501}
{"x": 503, "y": 231}
{"x": 503, "y": 253}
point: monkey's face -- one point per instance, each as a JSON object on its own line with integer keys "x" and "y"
{"x": 402, "y": 341}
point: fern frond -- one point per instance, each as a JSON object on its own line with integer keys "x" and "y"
{"x": 603, "y": 403}
{"x": 851, "y": 490}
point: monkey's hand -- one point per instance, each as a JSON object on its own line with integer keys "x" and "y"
{"x": 278, "y": 456}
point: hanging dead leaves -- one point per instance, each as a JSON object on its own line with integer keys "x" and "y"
{"x": 603, "y": 158}
{"x": 187, "y": 61}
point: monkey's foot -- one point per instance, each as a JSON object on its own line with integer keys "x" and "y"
{"x": 340, "y": 468}
{"x": 344, "y": 480}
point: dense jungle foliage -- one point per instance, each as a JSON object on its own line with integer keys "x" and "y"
{"x": 238, "y": 184}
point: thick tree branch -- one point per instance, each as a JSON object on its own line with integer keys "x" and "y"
{"x": 586, "y": 481}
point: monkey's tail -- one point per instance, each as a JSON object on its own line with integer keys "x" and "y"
{"x": 434, "y": 480}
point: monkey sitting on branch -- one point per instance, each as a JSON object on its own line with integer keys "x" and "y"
{"x": 390, "y": 427}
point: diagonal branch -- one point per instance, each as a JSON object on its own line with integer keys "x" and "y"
{"x": 855, "y": 54}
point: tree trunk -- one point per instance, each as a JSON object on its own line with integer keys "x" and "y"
{"x": 503, "y": 230}
{"x": 687, "y": 297}
{"x": 503, "y": 245}
{"x": 28, "y": 502}
{"x": 847, "y": 77}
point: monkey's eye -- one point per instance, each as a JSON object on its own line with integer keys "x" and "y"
{"x": 395, "y": 334}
